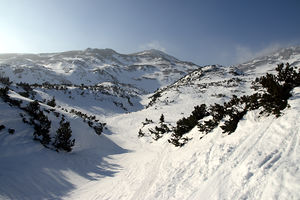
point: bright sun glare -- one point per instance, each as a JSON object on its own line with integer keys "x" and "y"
{"x": 9, "y": 44}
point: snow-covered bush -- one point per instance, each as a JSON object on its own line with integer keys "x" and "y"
{"x": 154, "y": 130}
{"x": 159, "y": 130}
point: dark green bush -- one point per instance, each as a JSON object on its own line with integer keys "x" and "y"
{"x": 278, "y": 88}
{"x": 185, "y": 125}
{"x": 98, "y": 128}
{"x": 52, "y": 102}
{"x": 33, "y": 108}
{"x": 2, "y": 127}
{"x": 24, "y": 94}
{"x": 4, "y": 93}
{"x": 231, "y": 124}
{"x": 5, "y": 81}
{"x": 141, "y": 133}
{"x": 159, "y": 131}
{"x": 11, "y": 131}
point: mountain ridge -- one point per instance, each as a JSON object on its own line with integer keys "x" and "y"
{"x": 93, "y": 66}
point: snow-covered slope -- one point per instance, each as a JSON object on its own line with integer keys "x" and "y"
{"x": 260, "y": 160}
{"x": 216, "y": 84}
{"x": 258, "y": 65}
{"x": 208, "y": 85}
{"x": 31, "y": 171}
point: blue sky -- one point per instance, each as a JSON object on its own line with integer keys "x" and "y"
{"x": 201, "y": 31}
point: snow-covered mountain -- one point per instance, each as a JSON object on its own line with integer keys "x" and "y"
{"x": 147, "y": 70}
{"x": 260, "y": 160}
{"x": 115, "y": 80}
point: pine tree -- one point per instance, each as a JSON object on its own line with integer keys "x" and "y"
{"x": 63, "y": 136}
{"x": 42, "y": 128}
{"x": 162, "y": 118}
{"x": 4, "y": 93}
{"x": 33, "y": 108}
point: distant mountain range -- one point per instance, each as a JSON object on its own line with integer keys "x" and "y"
{"x": 146, "y": 70}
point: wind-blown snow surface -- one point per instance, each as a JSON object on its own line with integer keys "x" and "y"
{"x": 260, "y": 160}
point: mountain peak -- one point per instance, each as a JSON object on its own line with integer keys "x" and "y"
{"x": 155, "y": 53}
{"x": 100, "y": 51}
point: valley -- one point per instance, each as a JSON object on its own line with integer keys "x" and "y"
{"x": 100, "y": 87}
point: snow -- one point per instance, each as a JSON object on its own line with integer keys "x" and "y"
{"x": 260, "y": 160}
{"x": 30, "y": 171}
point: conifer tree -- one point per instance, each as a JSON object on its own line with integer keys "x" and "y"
{"x": 162, "y": 118}
{"x": 63, "y": 136}
{"x": 42, "y": 128}
{"x": 33, "y": 108}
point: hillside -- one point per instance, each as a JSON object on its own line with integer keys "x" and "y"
{"x": 216, "y": 83}
{"x": 258, "y": 161}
